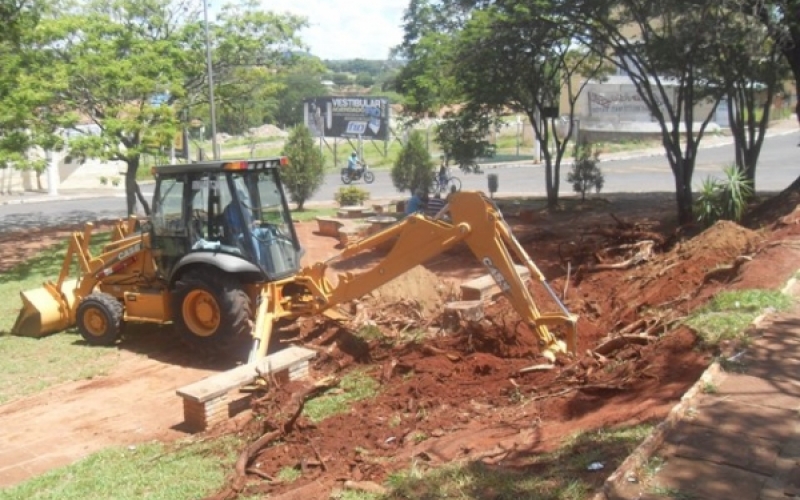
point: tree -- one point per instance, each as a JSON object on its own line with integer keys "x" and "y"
{"x": 585, "y": 173}
{"x": 662, "y": 47}
{"x": 252, "y": 50}
{"x": 512, "y": 56}
{"x": 126, "y": 67}
{"x": 306, "y": 170}
{"x": 24, "y": 122}
{"x": 462, "y": 136}
{"x": 342, "y": 78}
{"x": 751, "y": 69}
{"x": 302, "y": 81}
{"x": 413, "y": 168}
{"x": 426, "y": 80}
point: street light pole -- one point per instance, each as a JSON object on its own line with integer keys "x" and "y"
{"x": 210, "y": 70}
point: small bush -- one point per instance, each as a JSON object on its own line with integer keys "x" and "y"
{"x": 585, "y": 173}
{"x": 723, "y": 199}
{"x": 351, "y": 196}
{"x": 305, "y": 173}
{"x": 413, "y": 168}
{"x": 103, "y": 180}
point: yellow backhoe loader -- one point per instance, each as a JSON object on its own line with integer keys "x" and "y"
{"x": 219, "y": 258}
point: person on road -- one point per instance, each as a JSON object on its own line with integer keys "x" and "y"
{"x": 443, "y": 175}
{"x": 352, "y": 164}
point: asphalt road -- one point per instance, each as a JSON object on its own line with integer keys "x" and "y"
{"x": 778, "y": 167}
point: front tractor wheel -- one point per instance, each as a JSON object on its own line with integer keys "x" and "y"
{"x": 99, "y": 319}
{"x": 211, "y": 308}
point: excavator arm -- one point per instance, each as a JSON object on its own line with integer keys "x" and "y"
{"x": 474, "y": 220}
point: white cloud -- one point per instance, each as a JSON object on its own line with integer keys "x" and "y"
{"x": 351, "y": 29}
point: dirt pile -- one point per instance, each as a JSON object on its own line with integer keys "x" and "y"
{"x": 418, "y": 286}
{"x": 651, "y": 296}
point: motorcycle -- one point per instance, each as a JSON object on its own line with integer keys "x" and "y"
{"x": 360, "y": 173}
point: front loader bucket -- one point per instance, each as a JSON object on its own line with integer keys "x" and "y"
{"x": 45, "y": 310}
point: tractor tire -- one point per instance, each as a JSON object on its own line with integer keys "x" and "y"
{"x": 99, "y": 319}
{"x": 210, "y": 308}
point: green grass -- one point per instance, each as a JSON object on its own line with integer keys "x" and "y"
{"x": 312, "y": 213}
{"x": 153, "y": 471}
{"x": 29, "y": 365}
{"x": 353, "y": 387}
{"x": 555, "y": 475}
{"x": 728, "y": 315}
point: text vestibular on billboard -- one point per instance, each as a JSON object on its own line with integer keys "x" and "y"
{"x": 366, "y": 117}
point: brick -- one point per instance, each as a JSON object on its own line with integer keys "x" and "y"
{"x": 211, "y": 400}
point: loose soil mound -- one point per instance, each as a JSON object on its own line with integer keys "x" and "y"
{"x": 419, "y": 287}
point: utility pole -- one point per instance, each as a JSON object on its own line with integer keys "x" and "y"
{"x": 210, "y": 70}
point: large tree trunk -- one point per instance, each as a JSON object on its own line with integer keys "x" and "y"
{"x": 683, "y": 191}
{"x": 130, "y": 185}
{"x": 552, "y": 190}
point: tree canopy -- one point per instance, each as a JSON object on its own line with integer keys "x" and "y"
{"x": 119, "y": 72}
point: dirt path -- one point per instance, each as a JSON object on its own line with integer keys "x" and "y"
{"x": 468, "y": 387}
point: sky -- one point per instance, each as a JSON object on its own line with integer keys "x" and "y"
{"x": 349, "y": 29}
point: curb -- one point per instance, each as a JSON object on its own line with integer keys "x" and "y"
{"x": 627, "y": 470}
{"x": 637, "y": 459}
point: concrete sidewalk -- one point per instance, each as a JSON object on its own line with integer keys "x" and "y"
{"x": 735, "y": 434}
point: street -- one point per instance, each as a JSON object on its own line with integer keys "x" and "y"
{"x": 777, "y": 168}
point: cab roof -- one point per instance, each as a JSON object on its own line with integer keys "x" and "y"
{"x": 221, "y": 166}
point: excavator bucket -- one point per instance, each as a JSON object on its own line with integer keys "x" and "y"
{"x": 45, "y": 310}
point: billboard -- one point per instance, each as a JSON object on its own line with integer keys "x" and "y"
{"x": 366, "y": 117}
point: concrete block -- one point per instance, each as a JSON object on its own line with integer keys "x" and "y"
{"x": 485, "y": 287}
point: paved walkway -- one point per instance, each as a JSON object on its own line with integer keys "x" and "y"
{"x": 735, "y": 435}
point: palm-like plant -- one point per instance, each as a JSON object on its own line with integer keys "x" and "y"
{"x": 723, "y": 199}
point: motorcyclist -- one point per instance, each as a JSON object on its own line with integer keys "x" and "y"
{"x": 352, "y": 164}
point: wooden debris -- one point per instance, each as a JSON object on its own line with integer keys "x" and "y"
{"x": 629, "y": 234}
{"x": 621, "y": 341}
{"x": 537, "y": 368}
{"x": 366, "y": 486}
{"x": 724, "y": 273}
{"x": 293, "y": 408}
{"x": 435, "y": 351}
{"x": 644, "y": 252}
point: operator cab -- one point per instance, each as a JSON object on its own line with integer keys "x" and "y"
{"x": 232, "y": 214}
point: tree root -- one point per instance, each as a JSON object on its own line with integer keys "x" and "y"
{"x": 293, "y": 408}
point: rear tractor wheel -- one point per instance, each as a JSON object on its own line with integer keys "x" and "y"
{"x": 99, "y": 319}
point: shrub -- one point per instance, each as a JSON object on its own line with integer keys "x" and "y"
{"x": 306, "y": 170}
{"x": 585, "y": 173}
{"x": 413, "y": 168}
{"x": 350, "y": 196}
{"x": 723, "y": 199}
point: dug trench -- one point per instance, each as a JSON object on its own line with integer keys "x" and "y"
{"x": 471, "y": 391}
{"x": 475, "y": 392}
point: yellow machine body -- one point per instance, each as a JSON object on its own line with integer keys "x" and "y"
{"x": 125, "y": 269}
